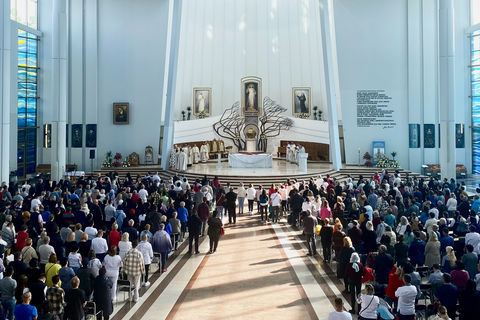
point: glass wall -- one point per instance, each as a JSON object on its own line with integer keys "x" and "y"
{"x": 27, "y": 102}
{"x": 24, "y": 12}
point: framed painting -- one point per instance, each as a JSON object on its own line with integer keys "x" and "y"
{"x": 251, "y": 93}
{"x": 414, "y": 135}
{"x": 91, "y": 136}
{"x": 202, "y": 101}
{"x": 47, "y": 135}
{"x": 429, "y": 136}
{"x": 378, "y": 150}
{"x": 460, "y": 135}
{"x": 301, "y": 100}
{"x": 121, "y": 113}
{"x": 77, "y": 135}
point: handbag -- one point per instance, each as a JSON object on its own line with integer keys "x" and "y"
{"x": 222, "y": 232}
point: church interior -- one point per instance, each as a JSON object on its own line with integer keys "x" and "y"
{"x": 169, "y": 97}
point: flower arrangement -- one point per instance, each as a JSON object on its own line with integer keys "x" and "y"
{"x": 303, "y": 115}
{"x": 116, "y": 164}
{"x": 107, "y": 162}
{"x": 125, "y": 163}
{"x": 118, "y": 156}
{"x": 202, "y": 115}
{"x": 384, "y": 162}
{"x": 368, "y": 157}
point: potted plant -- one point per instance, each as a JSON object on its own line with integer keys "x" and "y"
{"x": 393, "y": 154}
{"x": 315, "y": 108}
{"x": 183, "y": 115}
{"x": 320, "y": 112}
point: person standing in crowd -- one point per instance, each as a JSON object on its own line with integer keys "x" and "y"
{"x": 326, "y": 236}
{"x": 215, "y": 226}
{"x": 447, "y": 294}
{"x": 339, "y": 313}
{"x": 194, "y": 230}
{"x": 7, "y": 293}
{"x": 146, "y": 249}
{"x": 24, "y": 311}
{"x": 75, "y": 301}
{"x": 204, "y": 214}
{"x": 56, "y": 298}
{"x": 309, "y": 228}
{"x": 275, "y": 202}
{"x": 230, "y": 203}
{"x": 134, "y": 268}
{"x": 99, "y": 245}
{"x": 251, "y": 192}
{"x": 162, "y": 244}
{"x": 354, "y": 272}
{"x": 369, "y": 303}
{"x": 112, "y": 263}
{"x": 102, "y": 294}
{"x": 406, "y": 295}
{"x": 241, "y": 195}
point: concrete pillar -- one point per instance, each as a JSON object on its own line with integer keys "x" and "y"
{"x": 447, "y": 87}
{"x": 5, "y": 89}
{"x": 331, "y": 78}
{"x": 173, "y": 41}
{"x": 59, "y": 87}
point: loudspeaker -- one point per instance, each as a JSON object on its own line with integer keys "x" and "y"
{"x": 92, "y": 154}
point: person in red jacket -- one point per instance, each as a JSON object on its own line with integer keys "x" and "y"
{"x": 395, "y": 281}
{"x": 114, "y": 236}
{"x": 21, "y": 237}
{"x": 204, "y": 214}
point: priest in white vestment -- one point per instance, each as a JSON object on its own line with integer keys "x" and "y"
{"x": 196, "y": 154}
{"x": 182, "y": 161}
{"x": 204, "y": 153}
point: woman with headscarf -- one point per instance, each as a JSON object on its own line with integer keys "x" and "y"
{"x": 449, "y": 260}
{"x": 369, "y": 238}
{"x": 354, "y": 272}
{"x": 402, "y": 226}
{"x": 432, "y": 250}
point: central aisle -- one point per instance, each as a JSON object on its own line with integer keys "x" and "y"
{"x": 249, "y": 277}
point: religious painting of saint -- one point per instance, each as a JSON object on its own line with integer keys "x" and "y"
{"x": 251, "y": 93}
{"x": 429, "y": 136}
{"x": 414, "y": 135}
{"x": 91, "y": 136}
{"x": 459, "y": 135}
{"x": 202, "y": 101}
{"x": 77, "y": 135}
{"x": 301, "y": 98}
{"x": 121, "y": 113}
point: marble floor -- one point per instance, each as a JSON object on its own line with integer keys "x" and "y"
{"x": 280, "y": 168}
{"x": 259, "y": 271}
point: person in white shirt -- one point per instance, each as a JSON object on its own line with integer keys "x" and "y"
{"x": 339, "y": 313}
{"x": 45, "y": 250}
{"x": 406, "y": 299}
{"x": 473, "y": 238}
{"x": 91, "y": 231}
{"x": 430, "y": 222}
{"x": 143, "y": 194}
{"x": 251, "y": 192}
{"x": 451, "y": 205}
{"x": 369, "y": 303}
{"x": 241, "y": 194}
{"x": 275, "y": 201}
{"x": 36, "y": 203}
{"x": 284, "y": 194}
{"x": 99, "y": 245}
{"x": 146, "y": 249}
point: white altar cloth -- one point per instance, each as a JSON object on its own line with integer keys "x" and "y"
{"x": 239, "y": 160}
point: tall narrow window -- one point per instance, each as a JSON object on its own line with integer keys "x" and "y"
{"x": 27, "y": 102}
{"x": 24, "y": 12}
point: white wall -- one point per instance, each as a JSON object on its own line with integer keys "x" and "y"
{"x": 224, "y": 41}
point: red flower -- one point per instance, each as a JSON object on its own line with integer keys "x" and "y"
{"x": 116, "y": 164}
{"x": 118, "y": 156}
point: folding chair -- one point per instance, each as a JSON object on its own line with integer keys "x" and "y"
{"x": 124, "y": 285}
{"x": 91, "y": 312}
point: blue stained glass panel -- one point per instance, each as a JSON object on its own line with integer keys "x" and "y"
{"x": 476, "y": 88}
{"x": 30, "y": 136}
{"x": 22, "y": 44}
{"x": 22, "y": 59}
{"x": 30, "y": 168}
{"x": 31, "y": 117}
{"x": 21, "y": 136}
{"x": 31, "y": 93}
{"x": 32, "y": 45}
{"x": 21, "y": 108}
{"x": 476, "y": 111}
{"x": 20, "y": 172}
{"x": 30, "y": 155}
{"x": 22, "y": 33}
{"x": 475, "y": 57}
{"x": 476, "y": 150}
{"x": 21, "y": 120}
{"x": 32, "y": 59}
{"x": 22, "y": 93}
{"x": 31, "y": 75}
{"x": 476, "y": 73}
{"x": 31, "y": 105}
{"x": 22, "y": 75}
{"x": 22, "y": 85}
{"x": 31, "y": 35}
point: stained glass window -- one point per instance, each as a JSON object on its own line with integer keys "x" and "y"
{"x": 27, "y": 76}
{"x": 24, "y": 12}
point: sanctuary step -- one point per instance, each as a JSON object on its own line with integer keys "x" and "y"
{"x": 264, "y": 180}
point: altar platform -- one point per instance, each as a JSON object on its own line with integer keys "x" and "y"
{"x": 250, "y": 160}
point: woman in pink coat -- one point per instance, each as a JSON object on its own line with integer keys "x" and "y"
{"x": 325, "y": 211}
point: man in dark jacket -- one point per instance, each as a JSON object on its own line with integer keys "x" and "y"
{"x": 309, "y": 228}
{"x": 37, "y": 288}
{"x": 194, "y": 225}
{"x": 204, "y": 214}
{"x": 416, "y": 251}
{"x": 102, "y": 293}
{"x": 355, "y": 233}
{"x": 231, "y": 206}
{"x": 382, "y": 266}
{"x": 296, "y": 201}
{"x": 326, "y": 234}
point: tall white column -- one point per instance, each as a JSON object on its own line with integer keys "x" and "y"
{"x": 5, "y": 89}
{"x": 59, "y": 87}
{"x": 331, "y": 78}
{"x": 447, "y": 87}
{"x": 174, "y": 24}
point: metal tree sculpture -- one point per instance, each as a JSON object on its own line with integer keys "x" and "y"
{"x": 230, "y": 126}
{"x": 271, "y": 122}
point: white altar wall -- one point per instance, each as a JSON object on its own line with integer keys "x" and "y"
{"x": 224, "y": 41}
{"x": 202, "y": 129}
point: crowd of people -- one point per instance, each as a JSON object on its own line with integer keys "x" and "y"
{"x": 407, "y": 240}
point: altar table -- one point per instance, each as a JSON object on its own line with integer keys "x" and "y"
{"x": 242, "y": 160}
